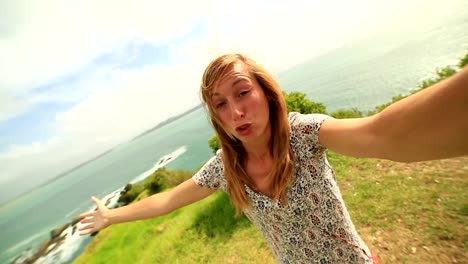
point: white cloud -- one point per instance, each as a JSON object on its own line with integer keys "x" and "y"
{"x": 143, "y": 98}
{"x": 58, "y": 38}
{"x": 36, "y": 154}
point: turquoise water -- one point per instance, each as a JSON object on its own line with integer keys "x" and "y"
{"x": 367, "y": 73}
{"x": 27, "y": 221}
{"x": 363, "y": 74}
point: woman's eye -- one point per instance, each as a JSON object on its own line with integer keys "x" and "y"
{"x": 219, "y": 105}
{"x": 244, "y": 92}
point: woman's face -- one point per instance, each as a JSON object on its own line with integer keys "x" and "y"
{"x": 241, "y": 105}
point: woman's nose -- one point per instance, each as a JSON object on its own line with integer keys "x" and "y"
{"x": 237, "y": 112}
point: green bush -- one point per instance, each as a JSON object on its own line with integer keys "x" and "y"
{"x": 129, "y": 193}
{"x": 128, "y": 187}
{"x": 213, "y": 142}
{"x": 160, "y": 179}
{"x": 156, "y": 181}
{"x": 346, "y": 113}
{"x": 176, "y": 177}
{"x": 297, "y": 102}
{"x": 441, "y": 74}
{"x": 163, "y": 178}
{"x": 463, "y": 61}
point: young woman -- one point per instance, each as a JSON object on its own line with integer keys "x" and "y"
{"x": 273, "y": 164}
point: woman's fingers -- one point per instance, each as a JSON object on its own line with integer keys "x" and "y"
{"x": 91, "y": 213}
{"x": 87, "y": 223}
{"x": 85, "y": 233}
{"x": 87, "y": 220}
{"x": 85, "y": 227}
{"x": 88, "y": 229}
{"x": 87, "y": 214}
{"x": 98, "y": 202}
{"x": 93, "y": 221}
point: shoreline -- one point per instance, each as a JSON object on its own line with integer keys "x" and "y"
{"x": 55, "y": 246}
{"x": 64, "y": 241}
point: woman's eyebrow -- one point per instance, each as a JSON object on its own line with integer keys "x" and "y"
{"x": 234, "y": 83}
{"x": 238, "y": 80}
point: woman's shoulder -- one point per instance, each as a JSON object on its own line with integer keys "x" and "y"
{"x": 305, "y": 132}
{"x": 211, "y": 175}
{"x": 306, "y": 122}
{"x": 216, "y": 161}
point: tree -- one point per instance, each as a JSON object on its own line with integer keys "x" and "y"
{"x": 346, "y": 113}
{"x": 157, "y": 181}
{"x": 130, "y": 193}
{"x": 213, "y": 142}
{"x": 442, "y": 74}
{"x": 463, "y": 61}
{"x": 297, "y": 102}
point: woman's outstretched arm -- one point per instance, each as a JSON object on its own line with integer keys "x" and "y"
{"x": 431, "y": 124}
{"x": 156, "y": 205}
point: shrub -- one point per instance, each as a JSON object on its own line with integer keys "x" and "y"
{"x": 463, "y": 61}
{"x": 213, "y": 142}
{"x": 163, "y": 178}
{"x": 297, "y": 102}
{"x": 342, "y": 113}
{"x": 129, "y": 193}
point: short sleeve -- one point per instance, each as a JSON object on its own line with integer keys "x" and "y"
{"x": 305, "y": 129}
{"x": 211, "y": 175}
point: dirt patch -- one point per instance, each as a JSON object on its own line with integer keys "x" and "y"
{"x": 402, "y": 245}
{"x": 440, "y": 233}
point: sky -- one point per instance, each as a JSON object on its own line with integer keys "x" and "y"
{"x": 79, "y": 77}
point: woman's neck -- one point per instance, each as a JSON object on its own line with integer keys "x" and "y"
{"x": 260, "y": 148}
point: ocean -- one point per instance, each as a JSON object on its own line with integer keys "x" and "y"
{"x": 362, "y": 74}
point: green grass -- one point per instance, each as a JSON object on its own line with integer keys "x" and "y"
{"x": 199, "y": 233}
{"x": 406, "y": 213}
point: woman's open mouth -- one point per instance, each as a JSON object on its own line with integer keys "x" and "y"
{"x": 244, "y": 129}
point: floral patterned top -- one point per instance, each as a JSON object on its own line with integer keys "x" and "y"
{"x": 314, "y": 226}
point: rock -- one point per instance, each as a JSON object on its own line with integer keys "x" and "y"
{"x": 56, "y": 239}
{"x": 54, "y": 233}
{"x": 75, "y": 220}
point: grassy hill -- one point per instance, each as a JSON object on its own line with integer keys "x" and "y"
{"x": 406, "y": 213}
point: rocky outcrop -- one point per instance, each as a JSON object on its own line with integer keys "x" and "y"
{"x": 57, "y": 237}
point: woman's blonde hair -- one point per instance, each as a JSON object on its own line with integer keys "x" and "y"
{"x": 233, "y": 153}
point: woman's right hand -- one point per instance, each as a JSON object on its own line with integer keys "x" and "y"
{"x": 95, "y": 220}
{"x": 155, "y": 205}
